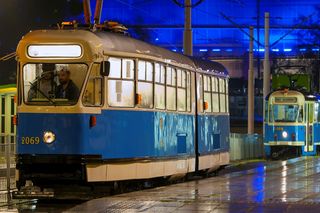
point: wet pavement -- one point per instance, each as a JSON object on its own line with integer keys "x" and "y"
{"x": 282, "y": 186}
{"x": 288, "y": 186}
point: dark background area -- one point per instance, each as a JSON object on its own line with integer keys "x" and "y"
{"x": 17, "y": 17}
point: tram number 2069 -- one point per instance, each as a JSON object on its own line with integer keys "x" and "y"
{"x": 30, "y": 140}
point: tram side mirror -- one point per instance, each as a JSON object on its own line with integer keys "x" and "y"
{"x": 105, "y": 68}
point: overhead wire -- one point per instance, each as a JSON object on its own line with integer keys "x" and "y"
{"x": 8, "y": 56}
{"x": 148, "y": 13}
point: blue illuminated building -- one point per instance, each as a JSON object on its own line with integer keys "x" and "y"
{"x": 216, "y": 25}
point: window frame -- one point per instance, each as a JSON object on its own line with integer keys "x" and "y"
{"x": 152, "y": 82}
{"x": 171, "y": 86}
{"x": 222, "y": 93}
{"x": 215, "y": 91}
{"x": 102, "y": 88}
{"x": 209, "y": 90}
{"x": 181, "y": 87}
{"x": 58, "y": 105}
{"x": 134, "y": 80}
{"x": 164, "y": 84}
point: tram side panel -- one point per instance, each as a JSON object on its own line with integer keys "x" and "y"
{"x": 213, "y": 127}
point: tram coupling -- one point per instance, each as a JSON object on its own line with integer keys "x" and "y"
{"x": 29, "y": 191}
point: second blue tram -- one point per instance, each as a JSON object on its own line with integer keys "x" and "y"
{"x": 142, "y": 111}
{"x": 292, "y": 124}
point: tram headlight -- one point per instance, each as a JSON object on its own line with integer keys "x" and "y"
{"x": 284, "y": 134}
{"x": 49, "y": 137}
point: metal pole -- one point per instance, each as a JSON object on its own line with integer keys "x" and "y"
{"x": 266, "y": 62}
{"x": 258, "y": 38}
{"x": 87, "y": 11}
{"x": 251, "y": 87}
{"x": 7, "y": 146}
{"x": 98, "y": 11}
{"x": 187, "y": 34}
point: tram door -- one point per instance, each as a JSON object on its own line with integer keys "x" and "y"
{"x": 309, "y": 127}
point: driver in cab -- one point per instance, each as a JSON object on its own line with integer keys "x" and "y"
{"x": 67, "y": 88}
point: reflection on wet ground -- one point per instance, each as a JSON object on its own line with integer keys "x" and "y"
{"x": 288, "y": 186}
{"x": 292, "y": 185}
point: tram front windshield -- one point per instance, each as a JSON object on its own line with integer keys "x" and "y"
{"x": 53, "y": 84}
{"x": 286, "y": 113}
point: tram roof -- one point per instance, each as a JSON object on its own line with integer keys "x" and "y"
{"x": 116, "y": 42}
{"x": 123, "y": 43}
{"x": 308, "y": 96}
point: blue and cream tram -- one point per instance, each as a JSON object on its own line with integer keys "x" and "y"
{"x": 141, "y": 111}
{"x": 292, "y": 124}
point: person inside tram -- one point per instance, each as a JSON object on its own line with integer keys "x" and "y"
{"x": 67, "y": 88}
{"x": 45, "y": 85}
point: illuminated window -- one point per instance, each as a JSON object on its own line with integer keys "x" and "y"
{"x": 12, "y": 113}
{"x": 188, "y": 91}
{"x": 54, "y": 51}
{"x": 201, "y": 92}
{"x": 42, "y": 83}
{"x": 182, "y": 87}
{"x": 159, "y": 95}
{"x": 121, "y": 83}
{"x": 145, "y": 84}
{"x": 215, "y": 94}
{"x": 171, "y": 89}
{"x": 207, "y": 92}
{"x": 222, "y": 90}
{"x": 227, "y": 95}
{"x": 3, "y": 114}
{"x": 93, "y": 92}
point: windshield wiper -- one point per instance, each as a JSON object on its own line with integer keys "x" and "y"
{"x": 42, "y": 93}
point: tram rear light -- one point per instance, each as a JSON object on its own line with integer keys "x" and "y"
{"x": 15, "y": 120}
{"x": 293, "y": 136}
{"x": 15, "y": 99}
{"x": 138, "y": 99}
{"x": 275, "y": 137}
{"x": 93, "y": 121}
{"x": 205, "y": 105}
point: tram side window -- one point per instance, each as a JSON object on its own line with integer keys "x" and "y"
{"x": 159, "y": 96}
{"x": 182, "y": 87}
{"x": 215, "y": 94}
{"x": 227, "y": 95}
{"x": 311, "y": 113}
{"x": 121, "y": 83}
{"x": 145, "y": 84}
{"x": 188, "y": 91}
{"x": 93, "y": 92}
{"x": 201, "y": 93}
{"x": 222, "y": 92}
{"x": 316, "y": 112}
{"x": 207, "y": 92}
{"x": 171, "y": 88}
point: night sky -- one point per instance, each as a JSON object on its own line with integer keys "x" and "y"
{"x": 17, "y": 17}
